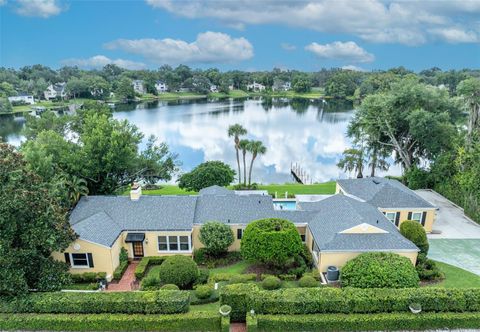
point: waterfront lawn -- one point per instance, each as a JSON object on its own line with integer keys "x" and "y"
{"x": 456, "y": 277}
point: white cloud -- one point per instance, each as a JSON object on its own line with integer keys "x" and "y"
{"x": 38, "y": 8}
{"x": 209, "y": 47}
{"x": 397, "y": 21}
{"x": 344, "y": 51}
{"x": 99, "y": 61}
{"x": 456, "y": 35}
{"x": 354, "y": 68}
{"x": 288, "y": 47}
{"x": 3, "y": 2}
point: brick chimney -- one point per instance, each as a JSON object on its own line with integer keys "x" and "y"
{"x": 135, "y": 192}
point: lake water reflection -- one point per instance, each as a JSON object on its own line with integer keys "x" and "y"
{"x": 311, "y": 133}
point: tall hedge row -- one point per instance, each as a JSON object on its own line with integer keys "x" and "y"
{"x": 370, "y": 322}
{"x": 237, "y": 296}
{"x": 145, "y": 262}
{"x": 192, "y": 321}
{"x": 297, "y": 301}
{"x": 160, "y": 302}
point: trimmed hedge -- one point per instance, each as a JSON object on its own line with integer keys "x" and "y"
{"x": 192, "y": 321}
{"x": 356, "y": 322}
{"x": 179, "y": 270}
{"x": 120, "y": 270}
{"x": 233, "y": 278}
{"x": 145, "y": 262}
{"x": 88, "y": 277}
{"x": 237, "y": 296}
{"x": 160, "y": 302}
{"x": 354, "y": 300}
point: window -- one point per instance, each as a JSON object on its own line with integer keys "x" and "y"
{"x": 417, "y": 216}
{"x": 162, "y": 243}
{"x": 239, "y": 233}
{"x": 391, "y": 216}
{"x": 174, "y": 243}
{"x": 302, "y": 236}
{"x": 80, "y": 260}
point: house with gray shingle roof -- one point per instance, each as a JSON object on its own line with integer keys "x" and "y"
{"x": 392, "y": 198}
{"x": 335, "y": 229}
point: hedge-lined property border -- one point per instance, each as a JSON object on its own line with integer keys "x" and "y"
{"x": 145, "y": 262}
{"x": 155, "y": 302}
{"x": 195, "y": 321}
{"x": 364, "y": 322}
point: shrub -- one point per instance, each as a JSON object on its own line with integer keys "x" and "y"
{"x": 203, "y": 292}
{"x": 296, "y": 266}
{"x": 179, "y": 270}
{"x": 216, "y": 237}
{"x": 53, "y": 275}
{"x": 150, "y": 282}
{"x": 214, "y": 296}
{"x": 120, "y": 270}
{"x": 288, "y": 277}
{"x": 236, "y": 296}
{"x": 146, "y": 262}
{"x": 242, "y": 278}
{"x": 308, "y": 281}
{"x": 169, "y": 287}
{"x": 200, "y": 256}
{"x": 88, "y": 277}
{"x": 123, "y": 257}
{"x": 271, "y": 241}
{"x": 271, "y": 283}
{"x": 379, "y": 270}
{"x": 314, "y": 274}
{"x": 159, "y": 302}
{"x": 207, "y": 174}
{"x": 418, "y": 178}
{"x": 202, "y": 321}
{"x": 427, "y": 269}
{"x": 371, "y": 322}
{"x": 415, "y": 232}
{"x": 203, "y": 275}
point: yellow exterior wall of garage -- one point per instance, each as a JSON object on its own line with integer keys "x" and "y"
{"x": 339, "y": 259}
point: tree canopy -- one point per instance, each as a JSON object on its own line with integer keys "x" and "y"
{"x": 207, "y": 174}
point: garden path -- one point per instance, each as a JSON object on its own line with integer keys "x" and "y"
{"x": 128, "y": 278}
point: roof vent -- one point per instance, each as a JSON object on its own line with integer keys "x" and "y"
{"x": 135, "y": 192}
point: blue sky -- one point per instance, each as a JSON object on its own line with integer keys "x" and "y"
{"x": 242, "y": 34}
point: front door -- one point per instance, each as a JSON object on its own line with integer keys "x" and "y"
{"x": 137, "y": 249}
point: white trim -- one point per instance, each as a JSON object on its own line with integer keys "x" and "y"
{"x": 178, "y": 243}
{"x": 98, "y": 244}
{"x": 79, "y": 266}
{"x": 364, "y": 226}
{"x": 370, "y": 250}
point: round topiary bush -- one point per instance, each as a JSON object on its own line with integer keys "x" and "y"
{"x": 170, "y": 287}
{"x": 415, "y": 232}
{"x": 178, "y": 270}
{"x": 216, "y": 237}
{"x": 379, "y": 270}
{"x": 271, "y": 241}
{"x": 307, "y": 281}
{"x": 203, "y": 292}
{"x": 271, "y": 283}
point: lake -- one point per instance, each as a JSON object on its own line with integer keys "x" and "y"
{"x": 309, "y": 133}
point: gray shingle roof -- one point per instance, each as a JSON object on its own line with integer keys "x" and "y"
{"x": 384, "y": 193}
{"x": 216, "y": 190}
{"x": 98, "y": 228}
{"x": 338, "y": 213}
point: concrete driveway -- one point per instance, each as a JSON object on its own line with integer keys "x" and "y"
{"x": 458, "y": 243}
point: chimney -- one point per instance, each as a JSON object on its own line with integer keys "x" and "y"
{"x": 135, "y": 192}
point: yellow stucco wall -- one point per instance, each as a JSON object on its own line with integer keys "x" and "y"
{"x": 429, "y": 220}
{"x": 150, "y": 244}
{"x": 235, "y": 246}
{"x": 102, "y": 256}
{"x": 339, "y": 259}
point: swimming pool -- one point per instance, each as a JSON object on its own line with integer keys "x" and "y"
{"x": 285, "y": 205}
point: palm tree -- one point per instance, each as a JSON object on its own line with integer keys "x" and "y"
{"x": 77, "y": 187}
{"x": 377, "y": 161}
{"x": 243, "y": 145}
{"x": 352, "y": 160}
{"x": 256, "y": 148}
{"x": 236, "y": 131}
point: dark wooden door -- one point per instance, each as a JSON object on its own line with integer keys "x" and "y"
{"x": 137, "y": 249}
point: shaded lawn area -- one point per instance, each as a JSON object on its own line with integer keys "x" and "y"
{"x": 236, "y": 268}
{"x": 207, "y": 307}
{"x": 456, "y": 277}
{"x": 326, "y": 188}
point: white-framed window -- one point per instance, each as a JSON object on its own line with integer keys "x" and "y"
{"x": 417, "y": 216}
{"x": 174, "y": 243}
{"x": 79, "y": 260}
{"x": 391, "y": 216}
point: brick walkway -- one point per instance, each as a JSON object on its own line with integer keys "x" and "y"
{"x": 238, "y": 327}
{"x": 125, "y": 284}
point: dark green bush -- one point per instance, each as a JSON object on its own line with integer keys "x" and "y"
{"x": 242, "y": 278}
{"x": 216, "y": 237}
{"x": 201, "y": 321}
{"x": 415, "y": 232}
{"x": 428, "y": 269}
{"x": 150, "y": 282}
{"x": 203, "y": 292}
{"x": 379, "y": 270}
{"x": 201, "y": 257}
{"x": 88, "y": 277}
{"x": 145, "y": 263}
{"x": 314, "y": 274}
{"x": 203, "y": 275}
{"x": 418, "y": 178}
{"x": 169, "y": 287}
{"x": 308, "y": 281}
{"x": 271, "y": 241}
{"x": 370, "y": 322}
{"x": 214, "y": 296}
{"x": 237, "y": 296}
{"x": 179, "y": 270}
{"x": 120, "y": 270}
{"x": 287, "y": 277}
{"x": 296, "y": 301}
{"x": 123, "y": 257}
{"x": 52, "y": 276}
{"x": 271, "y": 283}
{"x": 165, "y": 301}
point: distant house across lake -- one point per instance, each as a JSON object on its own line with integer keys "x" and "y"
{"x": 138, "y": 86}
{"x": 55, "y": 91}
{"x": 255, "y": 87}
{"x": 21, "y": 99}
{"x": 161, "y": 86}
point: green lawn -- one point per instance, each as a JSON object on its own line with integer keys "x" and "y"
{"x": 457, "y": 278}
{"x": 236, "y": 268}
{"x": 207, "y": 307}
{"x": 292, "y": 188}
{"x": 179, "y": 95}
